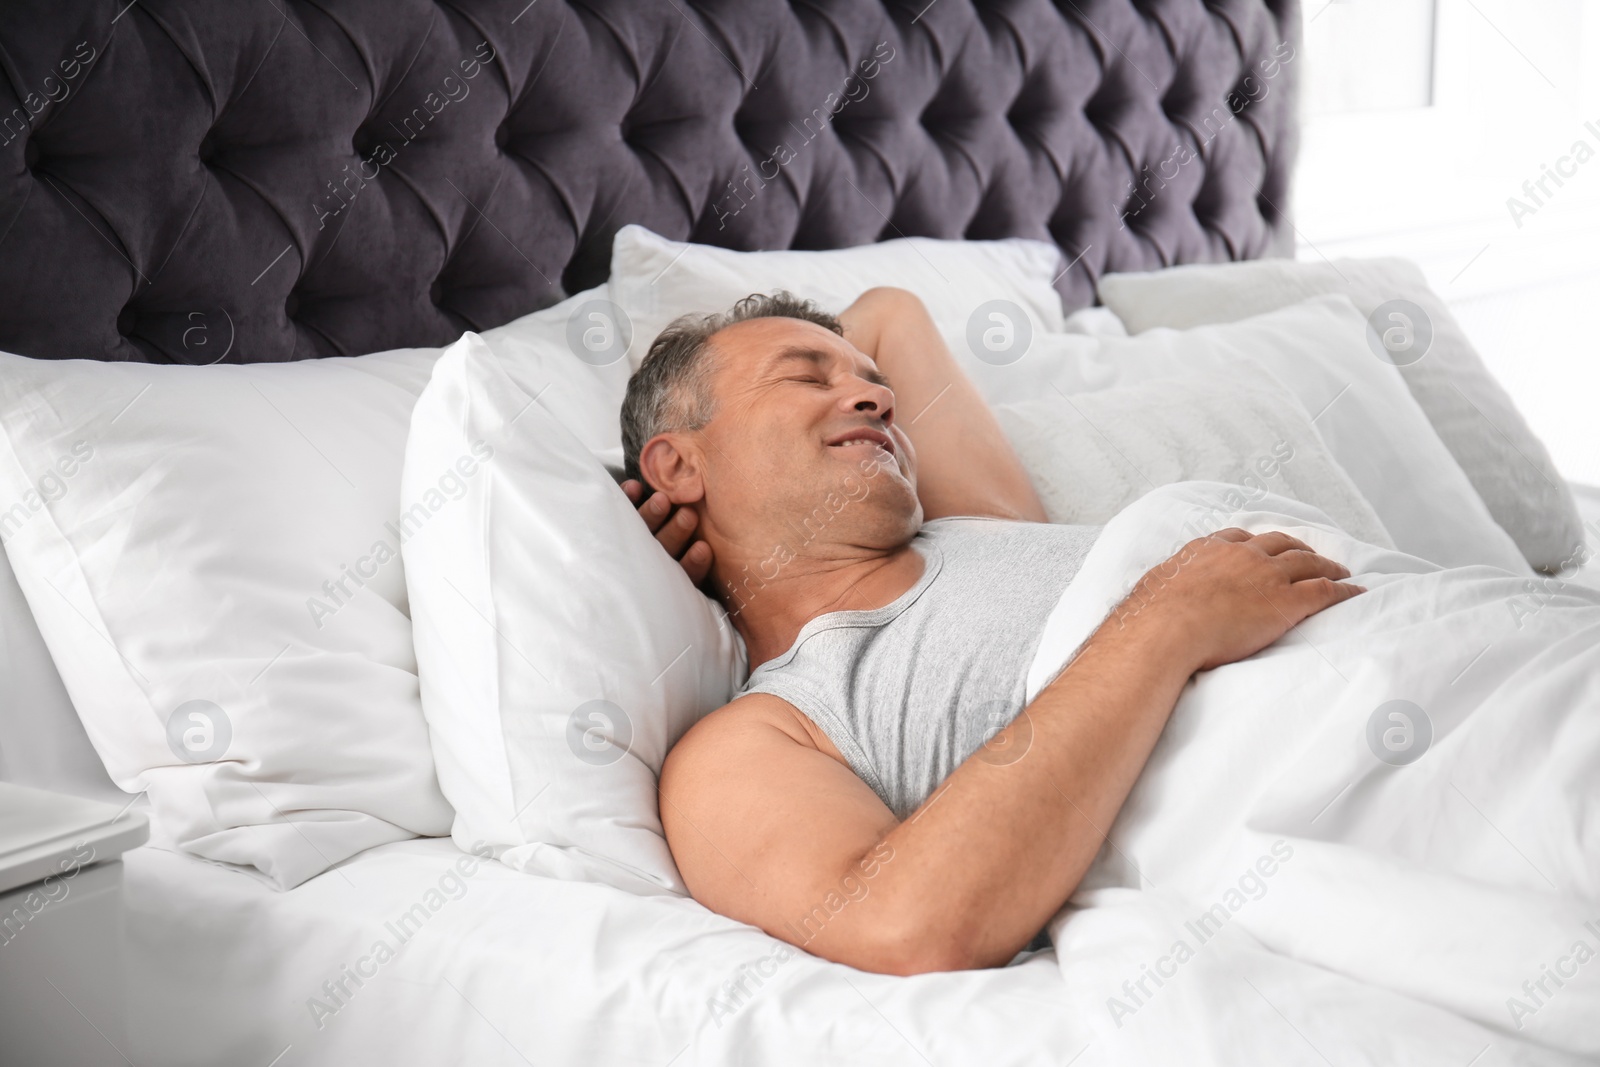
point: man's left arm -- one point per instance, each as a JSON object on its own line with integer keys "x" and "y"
{"x": 965, "y": 464}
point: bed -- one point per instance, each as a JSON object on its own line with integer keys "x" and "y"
{"x": 193, "y": 192}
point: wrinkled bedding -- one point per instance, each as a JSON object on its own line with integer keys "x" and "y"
{"x": 1377, "y": 840}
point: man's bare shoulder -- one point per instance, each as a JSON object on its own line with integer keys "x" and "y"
{"x": 750, "y": 722}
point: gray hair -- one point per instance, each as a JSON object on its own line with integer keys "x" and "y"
{"x": 671, "y": 390}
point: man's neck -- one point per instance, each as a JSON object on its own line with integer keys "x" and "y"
{"x": 769, "y": 612}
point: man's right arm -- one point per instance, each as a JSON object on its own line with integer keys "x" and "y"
{"x": 767, "y": 828}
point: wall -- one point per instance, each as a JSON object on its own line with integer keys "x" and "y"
{"x": 1515, "y": 100}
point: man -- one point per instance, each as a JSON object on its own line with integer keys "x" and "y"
{"x": 847, "y": 494}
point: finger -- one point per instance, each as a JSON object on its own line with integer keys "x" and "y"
{"x": 633, "y": 489}
{"x": 1301, "y": 564}
{"x": 654, "y": 511}
{"x": 674, "y": 534}
{"x": 1315, "y": 594}
{"x": 1232, "y": 533}
{"x": 697, "y": 562}
{"x": 1274, "y": 542}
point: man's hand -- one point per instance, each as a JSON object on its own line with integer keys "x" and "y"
{"x": 1226, "y": 596}
{"x": 674, "y": 528}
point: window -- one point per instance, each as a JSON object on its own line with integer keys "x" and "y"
{"x": 1369, "y": 55}
{"x": 1465, "y": 135}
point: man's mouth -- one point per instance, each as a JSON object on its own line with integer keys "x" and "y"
{"x": 863, "y": 437}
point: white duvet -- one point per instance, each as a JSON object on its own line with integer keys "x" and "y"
{"x": 1275, "y": 892}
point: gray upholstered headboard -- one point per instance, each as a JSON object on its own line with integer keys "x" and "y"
{"x": 294, "y": 179}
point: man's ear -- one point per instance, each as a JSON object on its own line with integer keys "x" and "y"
{"x": 673, "y": 466}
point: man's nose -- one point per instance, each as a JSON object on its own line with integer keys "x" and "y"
{"x": 877, "y": 398}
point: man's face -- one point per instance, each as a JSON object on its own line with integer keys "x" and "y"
{"x": 805, "y": 437}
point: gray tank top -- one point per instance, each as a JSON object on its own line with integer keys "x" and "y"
{"x": 908, "y": 691}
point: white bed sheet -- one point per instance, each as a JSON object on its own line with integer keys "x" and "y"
{"x": 521, "y": 969}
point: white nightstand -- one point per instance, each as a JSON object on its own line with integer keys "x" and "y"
{"x": 61, "y": 975}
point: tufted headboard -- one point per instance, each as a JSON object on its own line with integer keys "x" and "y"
{"x": 284, "y": 179}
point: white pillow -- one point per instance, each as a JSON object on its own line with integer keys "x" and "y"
{"x": 176, "y": 566}
{"x": 562, "y": 653}
{"x": 1506, "y": 463}
{"x": 1091, "y": 455}
{"x": 998, "y": 293}
{"x": 536, "y": 351}
{"x": 1360, "y": 407}
{"x": 211, "y": 554}
{"x": 42, "y": 743}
